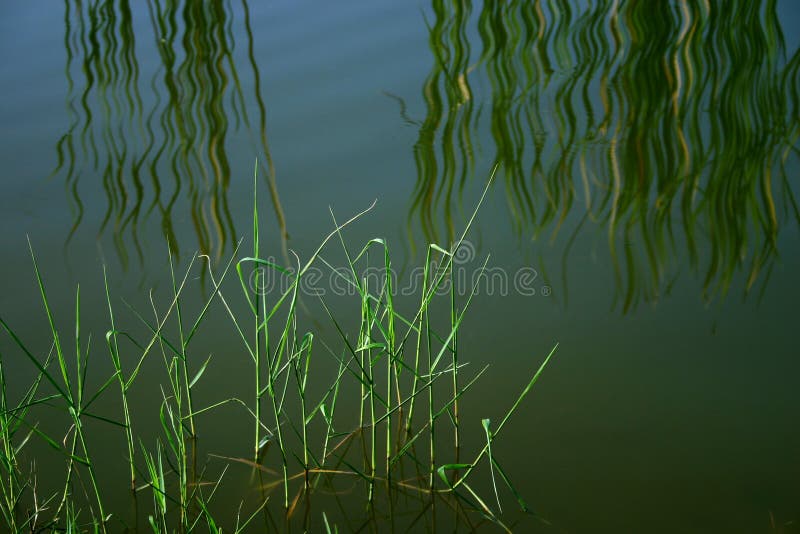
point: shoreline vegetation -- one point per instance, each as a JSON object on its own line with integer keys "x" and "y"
{"x": 408, "y": 373}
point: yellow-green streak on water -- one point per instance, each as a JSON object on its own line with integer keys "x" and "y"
{"x": 669, "y": 124}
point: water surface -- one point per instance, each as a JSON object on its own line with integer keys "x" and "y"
{"x": 648, "y": 163}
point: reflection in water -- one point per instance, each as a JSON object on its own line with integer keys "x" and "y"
{"x": 134, "y": 137}
{"x": 670, "y": 124}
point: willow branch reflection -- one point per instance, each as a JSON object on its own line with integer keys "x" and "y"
{"x": 669, "y": 124}
{"x": 130, "y": 137}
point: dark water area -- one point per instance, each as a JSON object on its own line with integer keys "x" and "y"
{"x": 643, "y": 216}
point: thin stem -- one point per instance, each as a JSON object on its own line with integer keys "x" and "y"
{"x": 454, "y": 329}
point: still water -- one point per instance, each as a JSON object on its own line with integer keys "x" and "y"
{"x": 647, "y": 189}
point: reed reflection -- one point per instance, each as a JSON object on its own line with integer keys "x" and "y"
{"x": 670, "y": 125}
{"x": 157, "y": 136}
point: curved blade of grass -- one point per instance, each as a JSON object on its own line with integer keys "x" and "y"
{"x": 485, "y": 423}
{"x": 522, "y": 395}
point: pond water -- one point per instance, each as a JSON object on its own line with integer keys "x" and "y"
{"x": 644, "y": 216}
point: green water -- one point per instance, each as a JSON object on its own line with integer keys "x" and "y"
{"x": 647, "y": 192}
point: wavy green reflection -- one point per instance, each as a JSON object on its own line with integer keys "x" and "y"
{"x": 669, "y": 124}
{"x": 158, "y": 139}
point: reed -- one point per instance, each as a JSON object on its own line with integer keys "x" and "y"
{"x": 395, "y": 359}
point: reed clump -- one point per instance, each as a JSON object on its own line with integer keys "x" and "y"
{"x": 405, "y": 368}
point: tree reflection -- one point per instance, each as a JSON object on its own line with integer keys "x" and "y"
{"x": 158, "y": 136}
{"x": 671, "y": 125}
